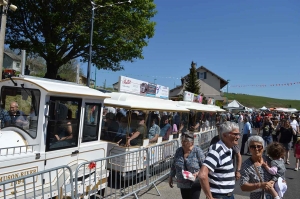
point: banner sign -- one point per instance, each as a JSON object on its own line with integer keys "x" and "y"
{"x": 191, "y": 97}
{"x": 139, "y": 87}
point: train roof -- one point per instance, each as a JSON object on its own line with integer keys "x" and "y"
{"x": 200, "y": 107}
{"x": 59, "y": 87}
{"x": 131, "y": 101}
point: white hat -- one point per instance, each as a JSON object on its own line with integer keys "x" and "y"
{"x": 280, "y": 187}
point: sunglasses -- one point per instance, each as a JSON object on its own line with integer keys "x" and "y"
{"x": 187, "y": 136}
{"x": 259, "y": 147}
{"x": 235, "y": 134}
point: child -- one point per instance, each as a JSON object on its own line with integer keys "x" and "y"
{"x": 276, "y": 151}
{"x": 297, "y": 153}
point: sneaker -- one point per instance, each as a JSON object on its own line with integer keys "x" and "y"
{"x": 296, "y": 169}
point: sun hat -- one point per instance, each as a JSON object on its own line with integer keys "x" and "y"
{"x": 280, "y": 187}
{"x": 293, "y": 115}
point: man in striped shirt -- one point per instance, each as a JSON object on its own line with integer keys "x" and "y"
{"x": 217, "y": 175}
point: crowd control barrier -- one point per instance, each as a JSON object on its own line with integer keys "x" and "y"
{"x": 117, "y": 176}
{"x": 51, "y": 183}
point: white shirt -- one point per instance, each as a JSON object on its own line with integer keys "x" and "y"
{"x": 294, "y": 125}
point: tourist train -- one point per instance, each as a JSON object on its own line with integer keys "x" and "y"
{"x": 49, "y": 123}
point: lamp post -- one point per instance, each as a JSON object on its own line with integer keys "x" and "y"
{"x": 91, "y": 44}
{"x": 95, "y": 78}
{"x": 154, "y": 81}
{"x": 227, "y": 91}
{"x": 6, "y": 6}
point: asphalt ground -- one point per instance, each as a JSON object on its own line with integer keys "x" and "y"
{"x": 292, "y": 178}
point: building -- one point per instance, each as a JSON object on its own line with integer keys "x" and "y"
{"x": 83, "y": 81}
{"x": 211, "y": 85}
{"x": 12, "y": 61}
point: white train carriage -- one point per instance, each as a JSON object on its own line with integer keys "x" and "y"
{"x": 48, "y": 123}
{"x": 206, "y": 129}
{"x": 133, "y": 163}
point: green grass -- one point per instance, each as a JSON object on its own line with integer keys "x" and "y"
{"x": 258, "y": 101}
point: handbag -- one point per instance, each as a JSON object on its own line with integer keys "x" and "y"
{"x": 264, "y": 194}
{"x": 196, "y": 182}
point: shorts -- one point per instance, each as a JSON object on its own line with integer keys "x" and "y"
{"x": 257, "y": 124}
{"x": 287, "y": 146}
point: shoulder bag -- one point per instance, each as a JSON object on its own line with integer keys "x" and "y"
{"x": 264, "y": 194}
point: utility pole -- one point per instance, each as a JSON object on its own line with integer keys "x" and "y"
{"x": 227, "y": 91}
{"x": 91, "y": 45}
{"x": 6, "y": 6}
{"x": 104, "y": 84}
{"x": 95, "y": 79}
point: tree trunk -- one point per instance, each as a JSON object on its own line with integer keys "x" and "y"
{"x": 52, "y": 70}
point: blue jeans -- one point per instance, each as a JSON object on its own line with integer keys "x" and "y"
{"x": 221, "y": 196}
{"x": 268, "y": 140}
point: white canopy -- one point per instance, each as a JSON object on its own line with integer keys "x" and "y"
{"x": 234, "y": 105}
{"x": 263, "y": 108}
{"x": 200, "y": 107}
{"x": 287, "y": 110}
{"x": 59, "y": 87}
{"x": 136, "y": 102}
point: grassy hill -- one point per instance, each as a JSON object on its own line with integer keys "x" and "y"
{"x": 258, "y": 101}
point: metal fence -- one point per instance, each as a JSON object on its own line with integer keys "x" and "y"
{"x": 124, "y": 174}
{"x": 55, "y": 182}
{"x": 116, "y": 176}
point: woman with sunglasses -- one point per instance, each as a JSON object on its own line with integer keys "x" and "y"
{"x": 186, "y": 164}
{"x": 254, "y": 176}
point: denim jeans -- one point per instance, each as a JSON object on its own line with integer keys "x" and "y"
{"x": 268, "y": 140}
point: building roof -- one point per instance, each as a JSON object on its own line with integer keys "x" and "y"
{"x": 13, "y": 56}
{"x": 181, "y": 86}
{"x": 223, "y": 82}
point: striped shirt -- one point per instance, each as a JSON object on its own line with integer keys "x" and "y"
{"x": 221, "y": 175}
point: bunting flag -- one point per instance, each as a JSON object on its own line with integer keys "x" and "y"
{"x": 135, "y": 75}
{"x": 266, "y": 85}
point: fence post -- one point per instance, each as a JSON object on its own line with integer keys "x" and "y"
{"x": 148, "y": 166}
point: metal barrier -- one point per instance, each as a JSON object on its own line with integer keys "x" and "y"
{"x": 125, "y": 174}
{"x": 160, "y": 161}
{"x": 203, "y": 139}
{"x": 55, "y": 182}
{"x": 116, "y": 176}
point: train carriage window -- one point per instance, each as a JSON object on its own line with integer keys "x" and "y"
{"x": 91, "y": 122}
{"x": 63, "y": 123}
{"x": 20, "y": 108}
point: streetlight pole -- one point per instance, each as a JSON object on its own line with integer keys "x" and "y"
{"x": 6, "y": 6}
{"x": 227, "y": 91}
{"x": 95, "y": 78}
{"x": 154, "y": 81}
{"x": 91, "y": 45}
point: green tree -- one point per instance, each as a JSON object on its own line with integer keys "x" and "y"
{"x": 191, "y": 81}
{"x": 59, "y": 31}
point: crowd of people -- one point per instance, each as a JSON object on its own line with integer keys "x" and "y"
{"x": 262, "y": 174}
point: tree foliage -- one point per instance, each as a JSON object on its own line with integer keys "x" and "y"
{"x": 191, "y": 81}
{"x": 59, "y": 31}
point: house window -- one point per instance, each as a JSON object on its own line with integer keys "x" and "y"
{"x": 18, "y": 65}
{"x": 201, "y": 75}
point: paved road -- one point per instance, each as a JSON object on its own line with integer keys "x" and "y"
{"x": 292, "y": 177}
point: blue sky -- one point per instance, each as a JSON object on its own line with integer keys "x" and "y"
{"x": 249, "y": 42}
